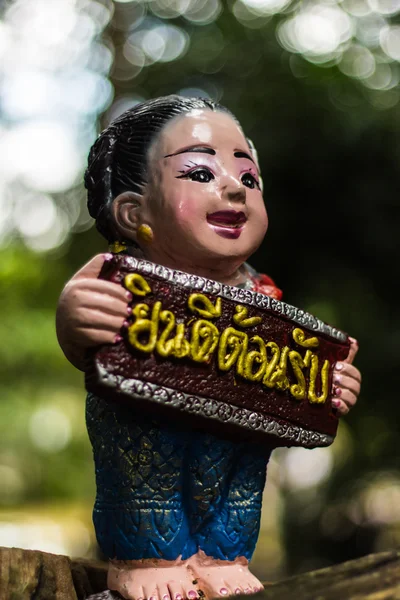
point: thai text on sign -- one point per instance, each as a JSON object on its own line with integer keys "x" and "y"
{"x": 155, "y": 329}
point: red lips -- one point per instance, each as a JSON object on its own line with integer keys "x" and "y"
{"x": 227, "y": 218}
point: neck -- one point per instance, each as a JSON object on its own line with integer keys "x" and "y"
{"x": 224, "y": 271}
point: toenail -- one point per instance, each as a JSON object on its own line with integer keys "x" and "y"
{"x": 166, "y": 597}
{"x": 178, "y": 597}
{"x": 223, "y": 591}
{"x": 152, "y": 598}
{"x": 247, "y": 591}
{"x": 238, "y": 591}
{"x": 192, "y": 594}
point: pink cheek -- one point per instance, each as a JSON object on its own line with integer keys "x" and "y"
{"x": 188, "y": 211}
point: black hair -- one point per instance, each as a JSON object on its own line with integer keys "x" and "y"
{"x": 118, "y": 159}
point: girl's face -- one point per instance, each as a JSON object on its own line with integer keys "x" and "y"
{"x": 208, "y": 205}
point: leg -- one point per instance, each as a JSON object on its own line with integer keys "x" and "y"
{"x": 139, "y": 516}
{"x": 228, "y": 518}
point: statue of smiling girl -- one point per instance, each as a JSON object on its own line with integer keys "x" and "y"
{"x": 173, "y": 180}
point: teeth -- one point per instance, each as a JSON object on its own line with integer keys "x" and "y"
{"x": 230, "y": 225}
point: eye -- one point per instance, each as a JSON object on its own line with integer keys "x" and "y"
{"x": 201, "y": 175}
{"x": 249, "y": 181}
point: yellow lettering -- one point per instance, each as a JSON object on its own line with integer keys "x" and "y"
{"x": 154, "y": 329}
{"x": 181, "y": 345}
{"x": 298, "y": 390}
{"x": 300, "y": 338}
{"x": 207, "y": 310}
{"x": 144, "y": 328}
{"x": 165, "y": 346}
{"x": 279, "y": 377}
{"x": 241, "y": 320}
{"x": 255, "y": 357}
{"x": 137, "y": 284}
{"x": 312, "y": 396}
{"x": 204, "y": 340}
{"x": 271, "y": 365}
{"x": 230, "y": 347}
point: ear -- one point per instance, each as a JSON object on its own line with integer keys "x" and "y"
{"x": 126, "y": 211}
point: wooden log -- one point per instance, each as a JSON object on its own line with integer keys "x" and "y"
{"x": 35, "y": 575}
{"x": 372, "y": 577}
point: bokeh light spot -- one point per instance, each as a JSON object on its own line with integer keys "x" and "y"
{"x": 385, "y": 7}
{"x": 34, "y": 214}
{"x": 316, "y": 31}
{"x": 358, "y": 8}
{"x": 203, "y": 12}
{"x": 43, "y": 153}
{"x": 305, "y": 469}
{"x": 357, "y": 62}
{"x": 390, "y": 41}
{"x": 266, "y": 6}
{"x": 50, "y": 429}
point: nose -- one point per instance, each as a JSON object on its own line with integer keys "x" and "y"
{"x": 234, "y": 190}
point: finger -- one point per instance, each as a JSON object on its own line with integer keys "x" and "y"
{"x": 342, "y": 368}
{"x": 105, "y": 304}
{"x": 98, "y": 337}
{"x": 353, "y": 350}
{"x": 100, "y": 286}
{"x": 341, "y": 407}
{"x": 347, "y": 383}
{"x": 92, "y": 268}
{"x": 345, "y": 396}
{"x": 94, "y": 319}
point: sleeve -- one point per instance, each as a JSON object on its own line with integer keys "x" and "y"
{"x": 265, "y": 285}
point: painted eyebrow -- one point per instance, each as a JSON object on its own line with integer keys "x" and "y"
{"x": 204, "y": 149}
{"x": 208, "y": 150}
{"x": 240, "y": 154}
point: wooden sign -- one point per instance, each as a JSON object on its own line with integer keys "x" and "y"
{"x": 216, "y": 357}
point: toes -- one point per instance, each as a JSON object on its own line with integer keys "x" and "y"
{"x": 251, "y": 589}
{"x": 225, "y": 590}
{"x": 140, "y": 594}
{"x": 164, "y": 593}
{"x": 175, "y": 591}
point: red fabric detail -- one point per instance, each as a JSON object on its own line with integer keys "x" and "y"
{"x": 265, "y": 285}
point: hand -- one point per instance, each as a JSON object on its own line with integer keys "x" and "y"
{"x": 90, "y": 312}
{"x": 346, "y": 382}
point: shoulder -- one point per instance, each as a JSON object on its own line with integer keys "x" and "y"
{"x": 263, "y": 283}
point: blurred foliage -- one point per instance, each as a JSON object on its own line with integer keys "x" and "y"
{"x": 329, "y": 150}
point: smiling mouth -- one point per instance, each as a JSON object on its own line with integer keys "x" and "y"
{"x": 230, "y": 219}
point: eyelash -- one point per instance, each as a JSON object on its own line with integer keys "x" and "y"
{"x": 256, "y": 183}
{"x": 192, "y": 173}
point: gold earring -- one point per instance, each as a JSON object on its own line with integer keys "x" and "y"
{"x": 145, "y": 234}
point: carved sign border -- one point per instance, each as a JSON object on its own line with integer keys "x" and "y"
{"x": 214, "y": 409}
{"x": 242, "y": 296}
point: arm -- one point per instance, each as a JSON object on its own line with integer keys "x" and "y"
{"x": 90, "y": 312}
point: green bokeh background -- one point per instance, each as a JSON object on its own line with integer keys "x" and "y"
{"x": 329, "y": 152}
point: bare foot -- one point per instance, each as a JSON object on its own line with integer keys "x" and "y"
{"x": 221, "y": 578}
{"x": 153, "y": 579}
